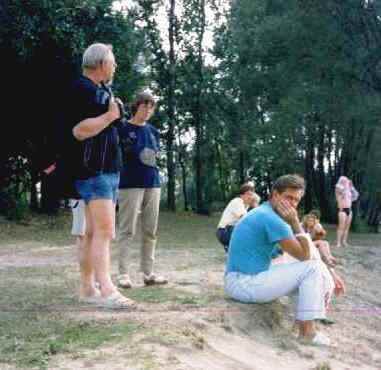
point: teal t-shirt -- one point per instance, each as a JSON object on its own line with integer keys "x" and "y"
{"x": 255, "y": 239}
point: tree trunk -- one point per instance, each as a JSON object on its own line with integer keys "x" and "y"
{"x": 308, "y": 170}
{"x": 171, "y": 167}
{"x": 198, "y": 168}
{"x": 201, "y": 207}
{"x": 321, "y": 190}
{"x": 241, "y": 167}
{"x": 184, "y": 178}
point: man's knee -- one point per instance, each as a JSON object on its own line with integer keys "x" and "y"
{"x": 105, "y": 231}
{"x": 89, "y": 234}
{"x": 314, "y": 266}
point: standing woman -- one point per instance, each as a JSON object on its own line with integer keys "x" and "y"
{"x": 345, "y": 195}
{"x": 139, "y": 191}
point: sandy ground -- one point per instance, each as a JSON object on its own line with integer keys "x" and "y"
{"x": 221, "y": 334}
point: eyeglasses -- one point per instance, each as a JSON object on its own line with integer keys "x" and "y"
{"x": 111, "y": 61}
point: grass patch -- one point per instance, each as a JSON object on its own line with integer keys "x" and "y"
{"x": 38, "y": 228}
{"x": 166, "y": 295}
{"x": 31, "y": 340}
{"x": 188, "y": 231}
{"x": 33, "y": 325}
{"x": 37, "y": 288}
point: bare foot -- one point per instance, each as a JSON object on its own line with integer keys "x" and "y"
{"x": 88, "y": 292}
{"x": 89, "y": 297}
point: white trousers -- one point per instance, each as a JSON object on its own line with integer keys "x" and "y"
{"x": 306, "y": 277}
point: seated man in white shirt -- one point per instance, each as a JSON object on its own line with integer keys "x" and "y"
{"x": 235, "y": 210}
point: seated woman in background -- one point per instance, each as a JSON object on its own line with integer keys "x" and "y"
{"x": 311, "y": 224}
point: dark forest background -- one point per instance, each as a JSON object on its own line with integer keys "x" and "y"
{"x": 247, "y": 89}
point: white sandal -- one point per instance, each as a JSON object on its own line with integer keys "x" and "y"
{"x": 115, "y": 301}
{"x": 91, "y": 299}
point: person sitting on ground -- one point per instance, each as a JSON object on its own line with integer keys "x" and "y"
{"x": 332, "y": 282}
{"x": 249, "y": 276}
{"x": 312, "y": 226}
{"x": 233, "y": 212}
{"x": 255, "y": 202}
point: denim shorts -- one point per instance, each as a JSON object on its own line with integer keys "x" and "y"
{"x": 101, "y": 186}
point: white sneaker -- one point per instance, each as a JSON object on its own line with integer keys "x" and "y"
{"x": 154, "y": 279}
{"x": 124, "y": 281}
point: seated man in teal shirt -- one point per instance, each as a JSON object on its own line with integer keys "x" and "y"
{"x": 249, "y": 275}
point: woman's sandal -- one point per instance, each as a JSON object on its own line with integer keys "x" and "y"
{"x": 116, "y": 301}
{"x": 91, "y": 299}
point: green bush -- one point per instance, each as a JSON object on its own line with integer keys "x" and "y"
{"x": 14, "y": 200}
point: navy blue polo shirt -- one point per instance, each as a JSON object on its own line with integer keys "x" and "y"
{"x": 140, "y": 149}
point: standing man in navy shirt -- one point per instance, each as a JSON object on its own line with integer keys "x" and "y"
{"x": 94, "y": 156}
{"x": 139, "y": 190}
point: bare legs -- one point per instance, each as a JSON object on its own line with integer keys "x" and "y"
{"x": 87, "y": 288}
{"x": 343, "y": 228}
{"x": 346, "y": 229}
{"x": 95, "y": 249}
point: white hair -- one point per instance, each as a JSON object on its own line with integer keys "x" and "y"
{"x": 95, "y": 55}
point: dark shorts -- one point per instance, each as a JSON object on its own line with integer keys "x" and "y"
{"x": 347, "y": 211}
{"x": 102, "y": 186}
{"x": 224, "y": 234}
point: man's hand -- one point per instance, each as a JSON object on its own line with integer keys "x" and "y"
{"x": 339, "y": 284}
{"x": 113, "y": 110}
{"x": 287, "y": 212}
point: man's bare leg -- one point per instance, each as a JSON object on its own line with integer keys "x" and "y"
{"x": 88, "y": 287}
{"x": 102, "y": 213}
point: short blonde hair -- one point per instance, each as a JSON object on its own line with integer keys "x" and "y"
{"x": 95, "y": 55}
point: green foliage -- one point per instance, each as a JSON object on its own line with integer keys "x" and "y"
{"x": 303, "y": 83}
{"x": 42, "y": 43}
{"x": 15, "y": 185}
{"x": 285, "y": 88}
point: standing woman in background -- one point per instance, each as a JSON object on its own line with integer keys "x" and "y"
{"x": 345, "y": 194}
